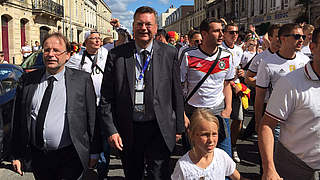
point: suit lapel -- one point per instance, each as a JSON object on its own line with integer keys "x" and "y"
{"x": 156, "y": 58}
{"x": 69, "y": 80}
{"x": 130, "y": 69}
{"x": 32, "y": 86}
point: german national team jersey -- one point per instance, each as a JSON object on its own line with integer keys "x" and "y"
{"x": 236, "y": 52}
{"x": 258, "y": 58}
{"x": 246, "y": 58}
{"x": 195, "y": 65}
{"x": 271, "y": 69}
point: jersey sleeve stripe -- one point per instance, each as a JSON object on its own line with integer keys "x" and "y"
{"x": 273, "y": 116}
{"x": 261, "y": 87}
{"x": 251, "y": 71}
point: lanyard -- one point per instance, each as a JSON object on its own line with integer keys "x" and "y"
{"x": 144, "y": 67}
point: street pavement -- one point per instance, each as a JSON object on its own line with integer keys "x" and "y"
{"x": 247, "y": 150}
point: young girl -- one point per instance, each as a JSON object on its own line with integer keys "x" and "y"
{"x": 204, "y": 161}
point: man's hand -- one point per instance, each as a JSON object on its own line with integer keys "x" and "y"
{"x": 226, "y": 113}
{"x": 178, "y": 137}
{"x": 186, "y": 121}
{"x": 271, "y": 175}
{"x": 240, "y": 73}
{"x": 115, "y": 22}
{"x": 17, "y": 166}
{"x": 115, "y": 141}
{"x": 92, "y": 163}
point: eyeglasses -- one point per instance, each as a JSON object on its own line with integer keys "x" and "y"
{"x": 140, "y": 24}
{"x": 95, "y": 38}
{"x": 54, "y": 51}
{"x": 296, "y": 36}
{"x": 233, "y": 32}
{"x": 198, "y": 41}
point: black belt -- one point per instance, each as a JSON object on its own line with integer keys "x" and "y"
{"x": 56, "y": 151}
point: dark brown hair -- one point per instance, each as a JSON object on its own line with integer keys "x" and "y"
{"x": 145, "y": 9}
{"x": 204, "y": 26}
{"x": 272, "y": 28}
{"x": 61, "y": 37}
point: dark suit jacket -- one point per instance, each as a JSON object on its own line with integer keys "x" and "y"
{"x": 117, "y": 92}
{"x": 80, "y": 113}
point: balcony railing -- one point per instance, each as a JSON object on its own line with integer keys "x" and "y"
{"x": 47, "y": 6}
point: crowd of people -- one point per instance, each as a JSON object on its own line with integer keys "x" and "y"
{"x": 144, "y": 92}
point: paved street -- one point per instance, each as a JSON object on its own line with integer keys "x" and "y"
{"x": 247, "y": 151}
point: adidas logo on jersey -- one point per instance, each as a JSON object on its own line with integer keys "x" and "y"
{"x": 199, "y": 65}
{"x": 282, "y": 71}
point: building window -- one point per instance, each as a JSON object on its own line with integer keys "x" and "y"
{"x": 252, "y": 7}
{"x": 23, "y": 31}
{"x": 273, "y": 5}
{"x": 284, "y": 4}
{"x": 261, "y": 6}
{"x": 243, "y": 5}
{"x": 236, "y": 7}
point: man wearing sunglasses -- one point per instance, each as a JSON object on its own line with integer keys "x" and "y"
{"x": 231, "y": 33}
{"x": 287, "y": 59}
{"x": 195, "y": 41}
{"x": 295, "y": 104}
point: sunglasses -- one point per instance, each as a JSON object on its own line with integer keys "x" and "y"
{"x": 197, "y": 41}
{"x": 233, "y": 32}
{"x": 296, "y": 36}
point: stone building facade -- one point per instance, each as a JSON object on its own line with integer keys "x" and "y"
{"x": 179, "y": 20}
{"x": 31, "y": 20}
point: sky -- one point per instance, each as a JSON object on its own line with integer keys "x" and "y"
{"x": 124, "y": 9}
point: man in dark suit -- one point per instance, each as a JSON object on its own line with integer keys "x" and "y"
{"x": 141, "y": 102}
{"x": 55, "y": 115}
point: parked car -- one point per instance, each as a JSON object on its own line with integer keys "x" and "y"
{"x": 9, "y": 77}
{"x": 33, "y": 62}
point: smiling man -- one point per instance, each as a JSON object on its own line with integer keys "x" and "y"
{"x": 55, "y": 115}
{"x": 141, "y": 102}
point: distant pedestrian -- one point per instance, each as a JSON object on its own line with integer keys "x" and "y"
{"x": 36, "y": 47}
{"x": 2, "y": 61}
{"x": 26, "y": 50}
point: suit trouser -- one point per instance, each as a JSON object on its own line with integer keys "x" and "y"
{"x": 58, "y": 164}
{"x": 147, "y": 143}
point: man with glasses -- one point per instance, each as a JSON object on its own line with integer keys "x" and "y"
{"x": 294, "y": 104}
{"x": 231, "y": 33}
{"x": 270, "y": 69}
{"x": 141, "y": 102}
{"x": 93, "y": 60}
{"x": 55, "y": 117}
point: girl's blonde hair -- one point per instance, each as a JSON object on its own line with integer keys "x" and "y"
{"x": 197, "y": 116}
